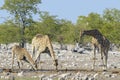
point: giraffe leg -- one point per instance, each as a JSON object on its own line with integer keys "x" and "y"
{"x": 102, "y": 52}
{"x": 95, "y": 48}
{"x": 37, "y": 56}
{"x": 105, "y": 67}
{"x": 52, "y": 54}
{"x": 33, "y": 51}
{"x": 56, "y": 64}
{"x": 20, "y": 64}
{"x": 93, "y": 65}
{"x": 94, "y": 57}
{"x": 37, "y": 60}
{"x": 104, "y": 60}
{"x": 106, "y": 57}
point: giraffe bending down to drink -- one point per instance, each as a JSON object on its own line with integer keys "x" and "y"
{"x": 41, "y": 43}
{"x": 22, "y": 54}
{"x": 98, "y": 40}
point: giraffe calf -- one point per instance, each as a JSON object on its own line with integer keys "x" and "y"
{"x": 22, "y": 54}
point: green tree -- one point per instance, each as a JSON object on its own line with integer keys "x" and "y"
{"x": 9, "y": 33}
{"x": 111, "y": 27}
{"x": 67, "y": 31}
{"x": 82, "y": 22}
{"x": 22, "y": 11}
{"x": 94, "y": 21}
{"x": 48, "y": 24}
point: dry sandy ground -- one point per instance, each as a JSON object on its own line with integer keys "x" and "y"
{"x": 72, "y": 66}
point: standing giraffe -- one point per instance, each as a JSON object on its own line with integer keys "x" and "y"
{"x": 98, "y": 39}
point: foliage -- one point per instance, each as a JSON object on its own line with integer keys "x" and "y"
{"x": 22, "y": 11}
{"x": 111, "y": 26}
{"x": 9, "y": 33}
{"x": 63, "y": 30}
{"x": 108, "y": 23}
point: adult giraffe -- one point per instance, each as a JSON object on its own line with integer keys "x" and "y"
{"x": 98, "y": 39}
{"x": 41, "y": 43}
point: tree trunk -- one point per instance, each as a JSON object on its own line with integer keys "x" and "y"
{"x": 22, "y": 42}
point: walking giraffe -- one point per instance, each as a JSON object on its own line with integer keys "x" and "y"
{"x": 98, "y": 40}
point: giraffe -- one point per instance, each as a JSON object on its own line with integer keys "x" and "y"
{"x": 98, "y": 40}
{"x": 41, "y": 43}
{"x": 22, "y": 54}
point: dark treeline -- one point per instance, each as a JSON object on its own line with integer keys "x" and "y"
{"x": 59, "y": 29}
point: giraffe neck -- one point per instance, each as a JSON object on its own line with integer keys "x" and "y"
{"x": 96, "y": 34}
